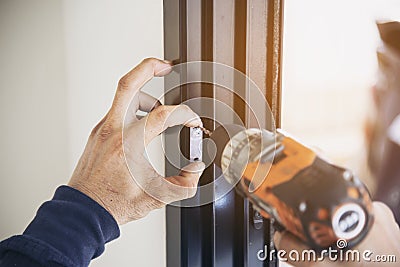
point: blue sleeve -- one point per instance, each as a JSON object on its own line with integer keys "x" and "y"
{"x": 69, "y": 230}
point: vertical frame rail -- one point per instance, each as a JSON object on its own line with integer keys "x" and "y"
{"x": 246, "y": 35}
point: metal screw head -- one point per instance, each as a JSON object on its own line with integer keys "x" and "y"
{"x": 197, "y": 132}
{"x": 302, "y": 206}
{"x": 206, "y": 131}
{"x": 257, "y": 215}
{"x": 347, "y": 175}
{"x": 257, "y": 220}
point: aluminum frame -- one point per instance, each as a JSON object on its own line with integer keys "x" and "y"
{"x": 247, "y": 35}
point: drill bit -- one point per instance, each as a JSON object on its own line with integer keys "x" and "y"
{"x": 206, "y": 131}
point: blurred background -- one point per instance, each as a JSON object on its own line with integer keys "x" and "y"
{"x": 329, "y": 67}
{"x": 61, "y": 61}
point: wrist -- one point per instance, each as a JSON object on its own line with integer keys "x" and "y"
{"x": 92, "y": 192}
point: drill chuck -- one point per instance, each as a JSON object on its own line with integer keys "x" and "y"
{"x": 315, "y": 200}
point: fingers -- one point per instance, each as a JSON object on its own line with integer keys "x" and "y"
{"x": 187, "y": 180}
{"x": 143, "y": 102}
{"x": 147, "y": 103}
{"x": 382, "y": 210}
{"x": 164, "y": 116}
{"x": 287, "y": 242}
{"x": 385, "y": 225}
{"x": 384, "y": 236}
{"x": 174, "y": 188}
{"x": 130, "y": 84}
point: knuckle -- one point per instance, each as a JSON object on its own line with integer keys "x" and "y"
{"x": 161, "y": 113}
{"x": 185, "y": 108}
{"x": 123, "y": 83}
{"x": 192, "y": 192}
{"x": 150, "y": 61}
{"x": 184, "y": 188}
{"x": 156, "y": 104}
{"x": 105, "y": 131}
{"x": 96, "y": 128}
{"x": 138, "y": 214}
{"x": 156, "y": 204}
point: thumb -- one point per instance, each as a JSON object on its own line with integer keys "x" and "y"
{"x": 175, "y": 188}
{"x": 187, "y": 180}
{"x": 189, "y": 175}
{"x": 287, "y": 242}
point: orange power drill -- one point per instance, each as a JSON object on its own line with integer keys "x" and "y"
{"x": 315, "y": 200}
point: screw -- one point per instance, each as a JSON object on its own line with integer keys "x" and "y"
{"x": 302, "y": 206}
{"x": 206, "y": 131}
{"x": 347, "y": 175}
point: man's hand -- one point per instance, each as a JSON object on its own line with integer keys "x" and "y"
{"x": 383, "y": 239}
{"x": 113, "y": 169}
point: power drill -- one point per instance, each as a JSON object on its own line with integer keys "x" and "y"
{"x": 318, "y": 202}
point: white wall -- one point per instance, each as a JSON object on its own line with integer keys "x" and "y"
{"x": 60, "y": 64}
{"x": 33, "y": 109}
{"x": 105, "y": 39}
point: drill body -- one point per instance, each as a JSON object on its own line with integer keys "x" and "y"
{"x": 318, "y": 202}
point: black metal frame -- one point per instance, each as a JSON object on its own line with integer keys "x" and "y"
{"x": 228, "y": 231}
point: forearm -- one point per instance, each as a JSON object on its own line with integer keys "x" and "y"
{"x": 69, "y": 230}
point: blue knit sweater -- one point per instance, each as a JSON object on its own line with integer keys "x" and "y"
{"x": 69, "y": 230}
